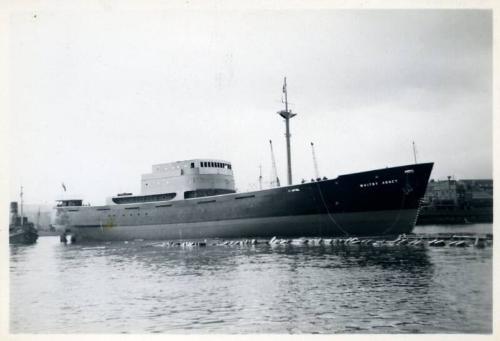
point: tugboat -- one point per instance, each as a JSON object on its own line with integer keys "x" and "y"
{"x": 21, "y": 231}
{"x": 197, "y": 199}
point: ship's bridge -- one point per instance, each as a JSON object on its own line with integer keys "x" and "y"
{"x": 183, "y": 180}
{"x": 189, "y": 179}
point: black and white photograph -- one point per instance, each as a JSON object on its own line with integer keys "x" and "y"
{"x": 238, "y": 168}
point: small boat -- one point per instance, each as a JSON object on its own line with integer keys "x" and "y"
{"x": 21, "y": 231}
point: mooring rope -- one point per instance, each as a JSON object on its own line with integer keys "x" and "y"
{"x": 398, "y": 217}
{"x": 328, "y": 211}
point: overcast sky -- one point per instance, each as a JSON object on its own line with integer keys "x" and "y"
{"x": 98, "y": 97}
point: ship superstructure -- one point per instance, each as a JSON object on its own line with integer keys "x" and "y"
{"x": 182, "y": 180}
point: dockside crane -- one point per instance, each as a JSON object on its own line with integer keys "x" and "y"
{"x": 275, "y": 172}
{"x": 414, "y": 152}
{"x": 260, "y": 177}
{"x": 315, "y": 161}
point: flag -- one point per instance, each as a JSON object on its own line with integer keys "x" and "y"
{"x": 63, "y": 186}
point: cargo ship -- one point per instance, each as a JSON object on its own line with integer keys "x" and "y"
{"x": 196, "y": 199}
{"x": 457, "y": 202}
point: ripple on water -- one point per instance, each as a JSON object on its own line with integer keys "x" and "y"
{"x": 148, "y": 287}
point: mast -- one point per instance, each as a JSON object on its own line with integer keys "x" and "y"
{"x": 22, "y": 219}
{"x": 38, "y": 219}
{"x": 287, "y": 115}
{"x": 315, "y": 161}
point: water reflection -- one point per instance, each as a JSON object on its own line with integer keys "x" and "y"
{"x": 149, "y": 287}
{"x": 156, "y": 256}
{"x": 20, "y": 250}
{"x": 397, "y": 258}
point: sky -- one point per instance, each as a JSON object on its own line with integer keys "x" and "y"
{"x": 98, "y": 97}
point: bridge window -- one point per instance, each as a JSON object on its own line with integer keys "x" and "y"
{"x": 66, "y": 203}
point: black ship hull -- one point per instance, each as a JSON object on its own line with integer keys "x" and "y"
{"x": 455, "y": 215}
{"x": 378, "y": 202}
{"x": 23, "y": 236}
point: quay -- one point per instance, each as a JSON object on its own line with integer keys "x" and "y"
{"x": 452, "y": 236}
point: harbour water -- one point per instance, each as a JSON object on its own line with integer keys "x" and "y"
{"x": 148, "y": 287}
